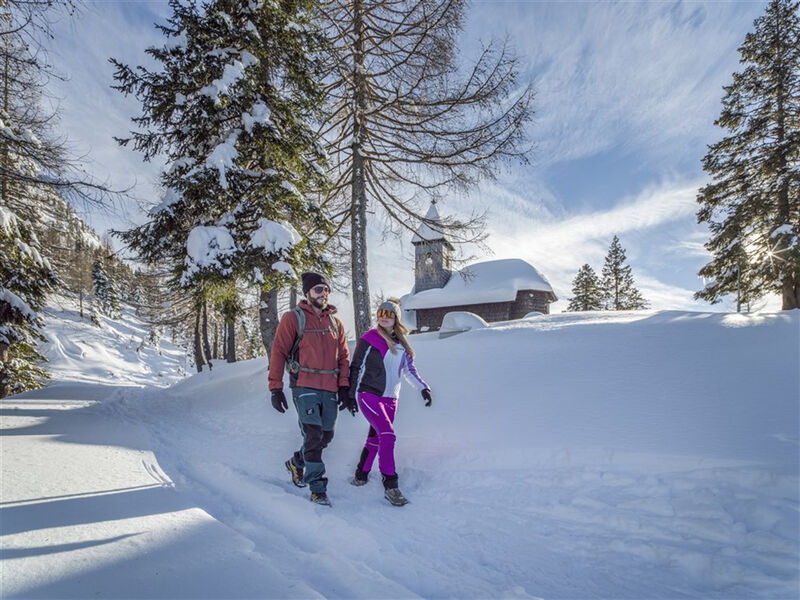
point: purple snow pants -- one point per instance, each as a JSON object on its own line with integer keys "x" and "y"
{"x": 379, "y": 411}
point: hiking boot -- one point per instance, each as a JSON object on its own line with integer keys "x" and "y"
{"x": 297, "y": 473}
{"x": 360, "y": 478}
{"x": 395, "y": 497}
{"x": 321, "y": 498}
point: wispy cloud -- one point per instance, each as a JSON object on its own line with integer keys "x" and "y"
{"x": 560, "y": 245}
{"x": 92, "y": 112}
{"x": 644, "y": 75}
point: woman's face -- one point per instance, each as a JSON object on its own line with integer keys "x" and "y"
{"x": 387, "y": 322}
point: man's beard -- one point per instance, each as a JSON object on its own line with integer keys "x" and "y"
{"x": 319, "y": 302}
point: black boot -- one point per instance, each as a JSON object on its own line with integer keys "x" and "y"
{"x": 361, "y": 475}
{"x": 391, "y": 492}
{"x": 360, "y": 478}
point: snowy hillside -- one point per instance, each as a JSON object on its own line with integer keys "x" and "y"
{"x": 117, "y": 353}
{"x": 594, "y": 455}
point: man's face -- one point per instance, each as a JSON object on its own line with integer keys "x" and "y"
{"x": 318, "y": 296}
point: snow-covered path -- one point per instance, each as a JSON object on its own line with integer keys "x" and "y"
{"x": 482, "y": 523}
{"x": 88, "y": 512}
{"x": 668, "y": 472}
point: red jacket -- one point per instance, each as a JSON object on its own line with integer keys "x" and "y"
{"x": 323, "y": 351}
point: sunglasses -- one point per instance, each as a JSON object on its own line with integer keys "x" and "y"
{"x": 385, "y": 312}
{"x": 321, "y": 289}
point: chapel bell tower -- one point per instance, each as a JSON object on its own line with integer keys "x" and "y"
{"x": 432, "y": 254}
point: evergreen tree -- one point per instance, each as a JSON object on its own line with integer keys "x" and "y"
{"x": 25, "y": 280}
{"x": 229, "y": 110}
{"x": 752, "y": 205}
{"x": 113, "y": 307}
{"x": 100, "y": 285}
{"x": 619, "y": 290}
{"x": 586, "y": 291}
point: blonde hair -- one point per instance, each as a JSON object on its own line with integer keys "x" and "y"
{"x": 399, "y": 331}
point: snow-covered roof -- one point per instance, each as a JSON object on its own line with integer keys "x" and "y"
{"x": 426, "y": 233}
{"x": 490, "y": 281}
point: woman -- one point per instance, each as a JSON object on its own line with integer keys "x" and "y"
{"x": 382, "y": 355}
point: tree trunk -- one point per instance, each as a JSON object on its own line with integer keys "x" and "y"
{"x": 215, "y": 349}
{"x": 199, "y": 357}
{"x": 791, "y": 292}
{"x": 206, "y": 344}
{"x": 292, "y": 297}
{"x": 230, "y": 340}
{"x": 4, "y": 388}
{"x": 268, "y": 317}
{"x": 358, "y": 210}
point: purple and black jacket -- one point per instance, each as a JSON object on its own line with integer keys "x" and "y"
{"x": 375, "y": 369}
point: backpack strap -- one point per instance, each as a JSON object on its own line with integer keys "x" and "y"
{"x": 301, "y": 329}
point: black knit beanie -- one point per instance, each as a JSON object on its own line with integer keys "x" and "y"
{"x": 312, "y": 279}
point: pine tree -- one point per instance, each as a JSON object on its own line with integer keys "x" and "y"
{"x": 229, "y": 110}
{"x": 619, "y": 289}
{"x": 752, "y": 205}
{"x": 25, "y": 280}
{"x": 586, "y": 291}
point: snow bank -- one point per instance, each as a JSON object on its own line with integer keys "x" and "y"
{"x": 460, "y": 321}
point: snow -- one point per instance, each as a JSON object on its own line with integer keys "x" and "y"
{"x": 8, "y": 221}
{"x": 223, "y": 157}
{"x": 274, "y": 237}
{"x": 283, "y": 267}
{"x": 231, "y": 73}
{"x": 490, "y": 281}
{"x": 206, "y": 246}
{"x": 579, "y": 455}
{"x": 260, "y": 115}
{"x": 171, "y": 196}
{"x": 460, "y": 321}
{"x": 17, "y": 303}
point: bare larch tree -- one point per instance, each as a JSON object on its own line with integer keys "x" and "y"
{"x": 405, "y": 122}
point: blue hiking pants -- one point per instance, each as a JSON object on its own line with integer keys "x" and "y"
{"x": 316, "y": 414}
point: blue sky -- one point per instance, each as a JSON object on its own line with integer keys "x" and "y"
{"x": 626, "y": 97}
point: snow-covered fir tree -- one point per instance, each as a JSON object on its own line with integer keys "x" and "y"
{"x": 229, "y": 108}
{"x": 105, "y": 290}
{"x": 25, "y": 280}
{"x": 619, "y": 289}
{"x": 752, "y": 205}
{"x": 587, "y": 294}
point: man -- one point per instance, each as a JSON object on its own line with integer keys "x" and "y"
{"x": 319, "y": 379}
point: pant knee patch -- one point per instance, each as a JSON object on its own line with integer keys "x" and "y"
{"x": 313, "y": 445}
{"x": 327, "y": 436}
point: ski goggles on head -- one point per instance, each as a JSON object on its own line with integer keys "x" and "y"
{"x": 385, "y": 312}
{"x": 320, "y": 289}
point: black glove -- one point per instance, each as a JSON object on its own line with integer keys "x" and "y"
{"x": 279, "y": 401}
{"x": 346, "y": 401}
{"x": 426, "y": 393}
